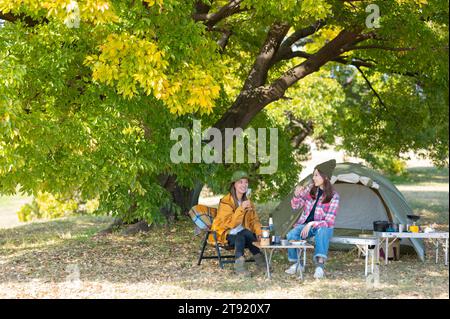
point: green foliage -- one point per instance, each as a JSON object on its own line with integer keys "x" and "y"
{"x": 48, "y": 206}
{"x": 387, "y": 164}
{"x": 89, "y": 110}
{"x": 408, "y": 117}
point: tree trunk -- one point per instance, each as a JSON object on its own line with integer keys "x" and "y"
{"x": 183, "y": 197}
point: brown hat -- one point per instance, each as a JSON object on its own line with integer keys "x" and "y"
{"x": 326, "y": 168}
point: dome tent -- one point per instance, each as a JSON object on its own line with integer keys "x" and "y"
{"x": 365, "y": 196}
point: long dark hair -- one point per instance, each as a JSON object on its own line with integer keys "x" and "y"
{"x": 233, "y": 194}
{"x": 328, "y": 189}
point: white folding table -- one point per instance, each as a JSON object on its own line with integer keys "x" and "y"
{"x": 301, "y": 252}
{"x": 388, "y": 238}
{"x": 365, "y": 245}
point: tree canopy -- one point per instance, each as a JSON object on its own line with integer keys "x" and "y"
{"x": 90, "y": 90}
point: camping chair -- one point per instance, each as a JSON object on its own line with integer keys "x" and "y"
{"x": 203, "y": 217}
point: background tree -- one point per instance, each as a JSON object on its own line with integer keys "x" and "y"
{"x": 91, "y": 89}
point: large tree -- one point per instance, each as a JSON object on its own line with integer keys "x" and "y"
{"x": 90, "y": 90}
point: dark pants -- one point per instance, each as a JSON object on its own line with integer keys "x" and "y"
{"x": 240, "y": 241}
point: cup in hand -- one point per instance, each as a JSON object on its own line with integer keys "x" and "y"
{"x": 246, "y": 205}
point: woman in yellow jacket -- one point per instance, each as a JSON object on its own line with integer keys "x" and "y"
{"x": 237, "y": 224}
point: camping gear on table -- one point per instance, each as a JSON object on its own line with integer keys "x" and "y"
{"x": 265, "y": 237}
{"x": 270, "y": 223}
{"x": 414, "y": 228}
{"x": 392, "y": 228}
{"x": 365, "y": 196}
{"x": 276, "y": 240}
{"x": 380, "y": 225}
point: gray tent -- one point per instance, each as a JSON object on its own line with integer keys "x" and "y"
{"x": 366, "y": 196}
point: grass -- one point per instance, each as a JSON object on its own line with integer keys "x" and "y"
{"x": 43, "y": 259}
{"x": 422, "y": 175}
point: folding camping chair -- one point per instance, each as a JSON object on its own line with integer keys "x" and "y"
{"x": 203, "y": 217}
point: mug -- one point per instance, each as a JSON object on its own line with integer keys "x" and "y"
{"x": 401, "y": 228}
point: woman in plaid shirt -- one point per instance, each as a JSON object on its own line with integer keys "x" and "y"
{"x": 320, "y": 203}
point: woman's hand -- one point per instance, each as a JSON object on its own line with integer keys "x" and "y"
{"x": 298, "y": 190}
{"x": 246, "y": 205}
{"x": 305, "y": 230}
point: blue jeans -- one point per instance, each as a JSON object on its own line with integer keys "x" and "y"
{"x": 322, "y": 241}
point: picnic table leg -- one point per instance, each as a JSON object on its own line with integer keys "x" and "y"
{"x": 373, "y": 261}
{"x": 299, "y": 254}
{"x": 267, "y": 263}
{"x": 304, "y": 258}
{"x": 446, "y": 252}
{"x": 377, "y": 247}
{"x": 436, "y": 244}
{"x": 386, "y": 252}
{"x": 366, "y": 261}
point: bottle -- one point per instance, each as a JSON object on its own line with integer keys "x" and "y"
{"x": 270, "y": 224}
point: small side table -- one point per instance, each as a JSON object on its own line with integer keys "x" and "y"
{"x": 301, "y": 251}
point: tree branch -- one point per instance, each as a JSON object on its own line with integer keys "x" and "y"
{"x": 258, "y": 73}
{"x": 299, "y": 128}
{"x": 223, "y": 41}
{"x": 372, "y": 88}
{"x": 380, "y": 47}
{"x": 202, "y": 8}
{"x": 330, "y": 51}
{"x": 21, "y": 17}
{"x": 341, "y": 60}
{"x": 302, "y": 33}
{"x": 211, "y": 19}
{"x": 286, "y": 46}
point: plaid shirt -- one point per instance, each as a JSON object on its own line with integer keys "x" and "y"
{"x": 325, "y": 213}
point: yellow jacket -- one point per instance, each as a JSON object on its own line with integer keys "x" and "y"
{"x": 229, "y": 216}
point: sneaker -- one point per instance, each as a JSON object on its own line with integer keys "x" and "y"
{"x": 291, "y": 270}
{"x": 319, "y": 273}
